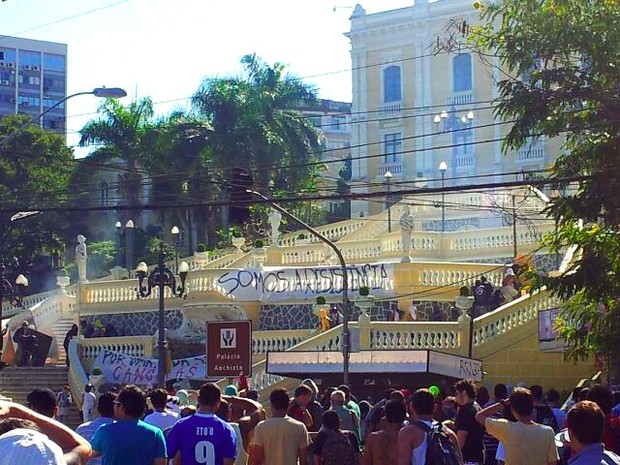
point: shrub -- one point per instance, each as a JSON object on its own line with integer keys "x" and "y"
{"x": 202, "y": 247}
{"x": 364, "y": 290}
{"x": 97, "y": 371}
{"x": 258, "y": 243}
{"x": 320, "y": 300}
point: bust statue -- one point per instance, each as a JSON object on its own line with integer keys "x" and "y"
{"x": 406, "y": 226}
{"x": 80, "y": 258}
{"x": 275, "y": 218}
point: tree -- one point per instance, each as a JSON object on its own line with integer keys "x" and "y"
{"x": 35, "y": 167}
{"x": 259, "y": 135}
{"x": 567, "y": 55}
{"x": 125, "y": 135}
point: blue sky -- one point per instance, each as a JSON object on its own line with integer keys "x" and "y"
{"x": 164, "y": 48}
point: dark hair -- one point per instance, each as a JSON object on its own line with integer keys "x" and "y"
{"x": 388, "y": 392}
{"x": 347, "y": 391}
{"x": 553, "y": 396}
{"x": 423, "y": 402}
{"x": 133, "y": 400}
{"x": 302, "y": 390}
{"x": 537, "y": 392}
{"x": 582, "y": 394}
{"x": 159, "y": 398}
{"x": 11, "y": 423}
{"x": 586, "y": 421}
{"x": 279, "y": 399}
{"x": 500, "y": 391}
{"x": 43, "y": 401}
{"x": 252, "y": 394}
{"x": 397, "y": 395}
{"x": 188, "y": 411}
{"x": 602, "y": 396}
{"x": 331, "y": 420}
{"x": 209, "y": 394}
{"x": 364, "y": 408}
{"x": 466, "y": 385}
{"x": 482, "y": 396}
{"x": 521, "y": 401}
{"x": 223, "y": 410}
{"x": 105, "y": 404}
{"x": 395, "y": 412}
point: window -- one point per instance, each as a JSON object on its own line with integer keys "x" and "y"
{"x": 392, "y": 147}
{"x": 391, "y": 84}
{"x": 461, "y": 68}
{"x": 53, "y": 62}
{"x": 338, "y": 123}
{"x": 29, "y": 58}
{"x": 104, "y": 190}
{"x": 1, "y": 55}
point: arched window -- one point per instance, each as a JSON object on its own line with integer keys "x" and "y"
{"x": 461, "y": 72}
{"x": 104, "y": 190}
{"x": 391, "y": 84}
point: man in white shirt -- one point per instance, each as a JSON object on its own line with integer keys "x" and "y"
{"x": 89, "y": 403}
{"x": 105, "y": 407}
{"x": 161, "y": 417}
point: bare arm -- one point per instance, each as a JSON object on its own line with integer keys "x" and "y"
{"x": 461, "y": 436}
{"x": 256, "y": 455}
{"x": 301, "y": 453}
{"x": 76, "y": 448}
{"x": 228, "y": 462}
{"x": 243, "y": 403}
{"x": 367, "y": 457}
{"x": 159, "y": 461}
{"x": 405, "y": 447}
{"x": 491, "y": 410}
{"x": 455, "y": 441}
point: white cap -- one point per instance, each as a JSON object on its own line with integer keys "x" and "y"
{"x": 26, "y": 446}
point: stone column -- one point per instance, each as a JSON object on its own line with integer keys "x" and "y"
{"x": 364, "y": 303}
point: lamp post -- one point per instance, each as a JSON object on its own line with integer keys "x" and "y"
{"x": 175, "y": 231}
{"x": 14, "y": 294}
{"x": 443, "y": 166}
{"x": 129, "y": 239}
{"x": 388, "y": 179}
{"x": 99, "y": 92}
{"x": 345, "y": 281}
{"x": 118, "y": 225}
{"x": 159, "y": 278}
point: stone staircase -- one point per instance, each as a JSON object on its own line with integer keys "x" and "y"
{"x": 61, "y": 327}
{"x": 17, "y": 382}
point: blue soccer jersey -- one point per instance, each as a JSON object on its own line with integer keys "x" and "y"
{"x": 202, "y": 439}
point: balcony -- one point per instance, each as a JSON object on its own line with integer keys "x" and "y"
{"x": 390, "y": 109}
{"x": 394, "y": 167}
{"x": 465, "y": 161}
{"x": 461, "y": 98}
{"x": 530, "y": 154}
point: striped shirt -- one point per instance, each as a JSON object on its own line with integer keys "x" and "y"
{"x": 87, "y": 431}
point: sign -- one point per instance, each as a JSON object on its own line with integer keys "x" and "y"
{"x": 454, "y": 366}
{"x": 127, "y": 369}
{"x": 275, "y": 283}
{"x": 547, "y": 328}
{"x": 229, "y": 348}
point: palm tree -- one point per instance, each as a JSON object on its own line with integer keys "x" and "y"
{"x": 257, "y": 126}
{"x": 124, "y": 135}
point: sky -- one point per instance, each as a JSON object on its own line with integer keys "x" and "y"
{"x": 163, "y": 49}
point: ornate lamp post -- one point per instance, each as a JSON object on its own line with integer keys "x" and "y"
{"x": 388, "y": 179}
{"x": 443, "y": 166}
{"x": 161, "y": 277}
{"x": 14, "y": 294}
{"x": 176, "y": 232}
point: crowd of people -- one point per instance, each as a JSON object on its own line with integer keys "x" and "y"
{"x": 515, "y": 426}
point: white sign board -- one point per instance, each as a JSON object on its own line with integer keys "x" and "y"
{"x": 454, "y": 366}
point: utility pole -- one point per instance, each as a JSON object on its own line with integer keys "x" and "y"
{"x": 514, "y": 227}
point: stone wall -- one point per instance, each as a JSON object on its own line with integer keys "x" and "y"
{"x": 138, "y": 324}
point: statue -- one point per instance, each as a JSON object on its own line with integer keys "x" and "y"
{"x": 80, "y": 258}
{"x": 275, "y": 217}
{"x": 406, "y": 226}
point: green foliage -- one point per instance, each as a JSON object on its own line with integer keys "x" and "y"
{"x": 202, "y": 248}
{"x": 258, "y": 243}
{"x": 154, "y": 246}
{"x": 320, "y": 300}
{"x": 35, "y": 167}
{"x": 101, "y": 257}
{"x": 567, "y": 53}
{"x": 225, "y": 236}
{"x": 364, "y": 291}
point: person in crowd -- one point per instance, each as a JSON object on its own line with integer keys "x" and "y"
{"x": 480, "y": 299}
{"x": 89, "y": 402}
{"x": 449, "y": 408}
{"x": 413, "y": 311}
{"x": 130, "y": 440}
{"x": 161, "y": 416}
{"x": 348, "y": 418}
{"x": 335, "y": 315}
{"x": 543, "y": 414}
{"x": 252, "y": 394}
{"x": 88, "y": 329}
{"x": 51, "y": 443}
{"x": 382, "y": 446}
{"x": 27, "y": 345}
{"x": 586, "y": 424}
{"x": 43, "y": 401}
{"x": 323, "y": 447}
{"x": 514, "y": 436}
{"x": 203, "y": 437}
{"x": 468, "y": 432}
{"x": 350, "y": 401}
{"x": 314, "y": 407}
{"x": 602, "y": 396}
{"x": 412, "y": 438}
{"x": 438, "y": 314}
{"x": 324, "y": 320}
{"x": 490, "y": 444}
{"x": 377, "y": 412}
{"x": 325, "y": 399}
{"x": 251, "y": 413}
{"x": 615, "y": 411}
{"x": 298, "y": 407}
{"x": 553, "y": 401}
{"x": 64, "y": 401}
{"x": 482, "y": 395}
{"x": 365, "y": 407}
{"x": 497, "y": 299}
{"x": 509, "y": 285}
{"x": 105, "y": 407}
{"x": 279, "y": 440}
{"x": 73, "y": 332}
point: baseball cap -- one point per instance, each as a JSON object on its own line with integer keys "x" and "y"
{"x": 29, "y": 447}
{"x": 562, "y": 438}
{"x": 42, "y": 400}
{"x": 230, "y": 390}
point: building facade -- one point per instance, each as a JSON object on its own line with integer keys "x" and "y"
{"x": 416, "y": 105}
{"x": 33, "y": 78}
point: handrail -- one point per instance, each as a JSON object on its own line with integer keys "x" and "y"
{"x": 77, "y": 376}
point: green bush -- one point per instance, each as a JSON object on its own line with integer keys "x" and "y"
{"x": 320, "y": 300}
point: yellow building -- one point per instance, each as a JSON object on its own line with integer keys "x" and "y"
{"x": 416, "y": 106}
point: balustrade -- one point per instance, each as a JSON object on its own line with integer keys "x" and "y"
{"x": 414, "y": 335}
{"x": 137, "y": 346}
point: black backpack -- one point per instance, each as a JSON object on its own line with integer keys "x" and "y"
{"x": 440, "y": 450}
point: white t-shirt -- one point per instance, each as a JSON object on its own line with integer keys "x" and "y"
{"x": 90, "y": 402}
{"x": 163, "y": 420}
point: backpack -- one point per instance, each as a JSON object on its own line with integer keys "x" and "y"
{"x": 440, "y": 450}
{"x": 338, "y": 450}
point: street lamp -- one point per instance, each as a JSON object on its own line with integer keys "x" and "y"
{"x": 175, "y": 231}
{"x": 99, "y": 92}
{"x": 443, "y": 166}
{"x": 345, "y": 281}
{"x": 129, "y": 238}
{"x": 388, "y": 178}
{"x": 161, "y": 277}
{"x": 118, "y": 225}
{"x": 14, "y": 294}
